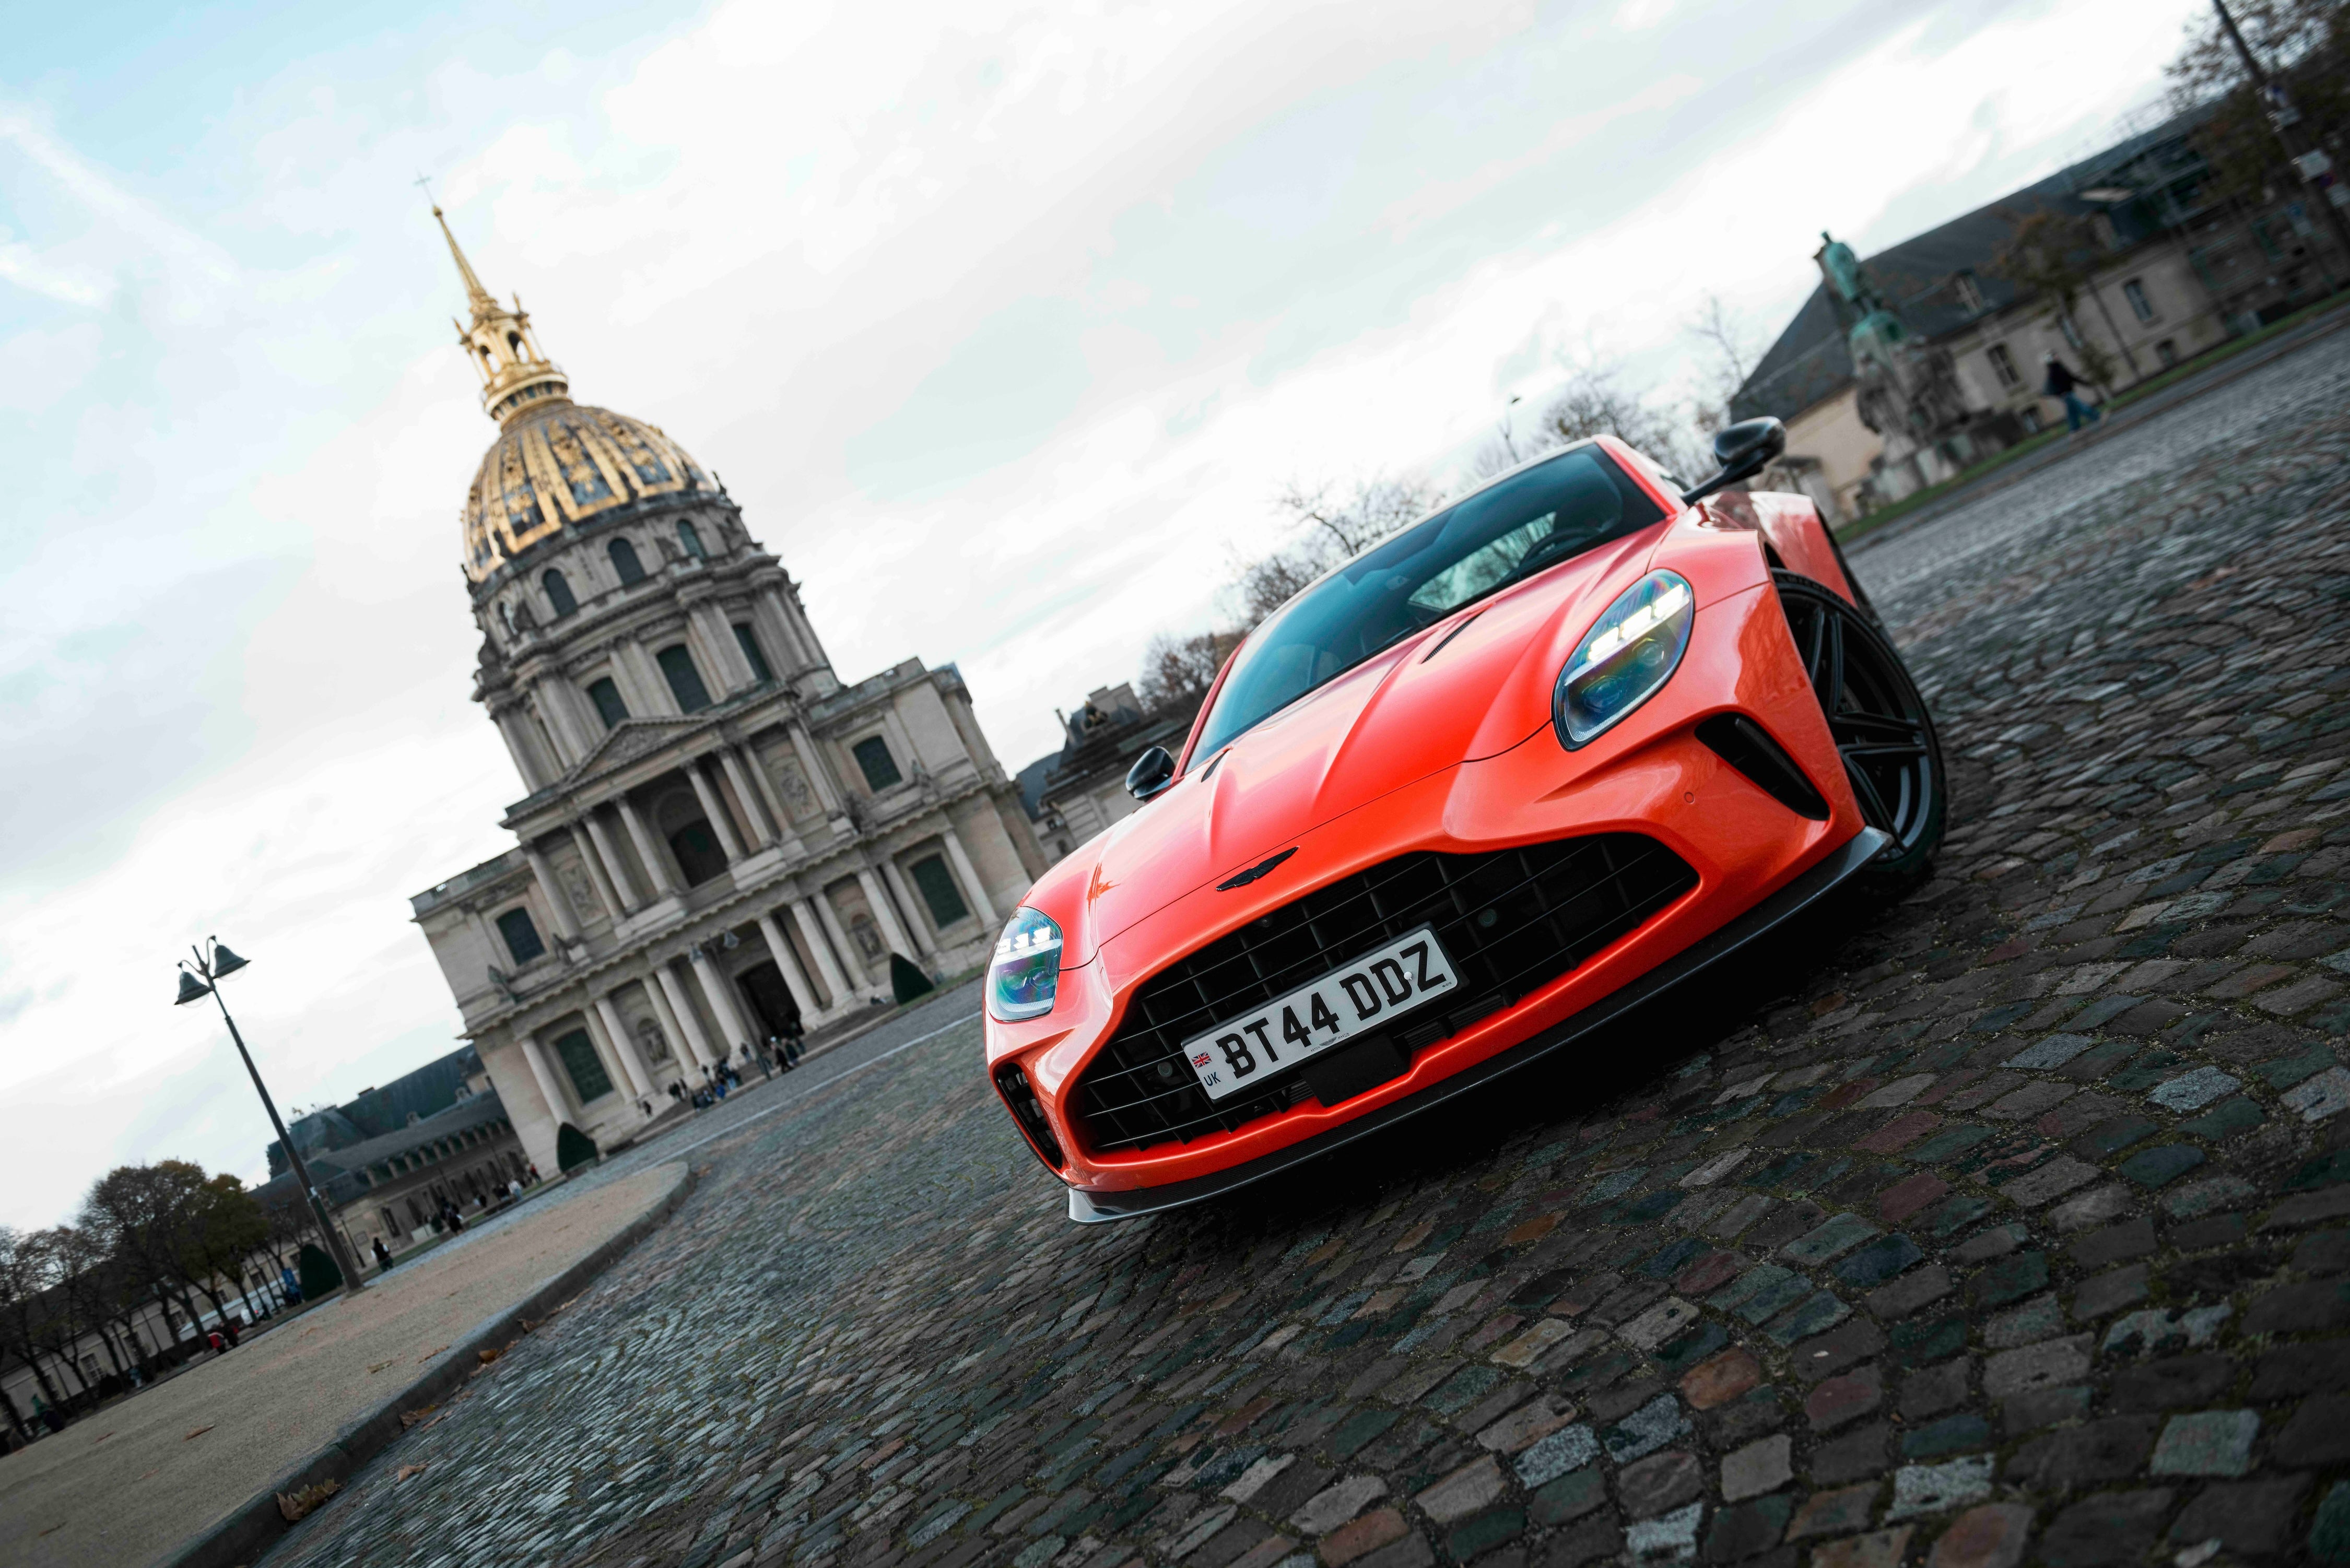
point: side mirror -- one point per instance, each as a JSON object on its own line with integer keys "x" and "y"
{"x": 1743, "y": 450}
{"x": 1151, "y": 774}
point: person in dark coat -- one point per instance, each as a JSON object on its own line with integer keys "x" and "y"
{"x": 382, "y": 1255}
{"x": 2063, "y": 385}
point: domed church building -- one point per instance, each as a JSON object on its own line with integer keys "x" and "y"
{"x": 716, "y": 837}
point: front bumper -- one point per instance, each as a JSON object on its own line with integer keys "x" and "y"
{"x": 1787, "y": 904}
{"x": 1650, "y": 776}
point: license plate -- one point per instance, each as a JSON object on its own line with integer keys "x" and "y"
{"x": 1351, "y": 1001}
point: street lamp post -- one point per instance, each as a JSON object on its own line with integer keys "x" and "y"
{"x": 202, "y": 978}
{"x": 2311, "y": 161}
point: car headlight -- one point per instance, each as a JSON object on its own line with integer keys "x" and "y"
{"x": 1026, "y": 969}
{"x": 1625, "y": 659}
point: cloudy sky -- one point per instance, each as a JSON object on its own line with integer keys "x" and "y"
{"x": 1003, "y": 322}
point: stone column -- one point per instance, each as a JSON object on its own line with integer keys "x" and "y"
{"x": 677, "y": 1014}
{"x": 841, "y": 942}
{"x": 649, "y": 849}
{"x": 980, "y": 902}
{"x": 816, "y": 946}
{"x": 559, "y": 902}
{"x": 622, "y": 1047}
{"x": 891, "y": 931}
{"x": 536, "y": 1055}
{"x": 788, "y": 961}
{"x": 721, "y": 821}
{"x": 760, "y": 813}
{"x": 624, "y": 885}
{"x": 910, "y": 905}
{"x": 722, "y": 1001}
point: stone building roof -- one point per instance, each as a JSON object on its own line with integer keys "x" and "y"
{"x": 372, "y": 1113}
{"x": 338, "y": 1171}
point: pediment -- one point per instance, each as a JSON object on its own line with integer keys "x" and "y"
{"x": 627, "y": 741}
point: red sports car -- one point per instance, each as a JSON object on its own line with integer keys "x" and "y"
{"x": 1529, "y": 763}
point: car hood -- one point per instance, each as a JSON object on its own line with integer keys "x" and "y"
{"x": 1471, "y": 686}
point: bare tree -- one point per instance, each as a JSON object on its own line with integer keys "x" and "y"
{"x": 1733, "y": 353}
{"x": 2054, "y": 255}
{"x": 23, "y": 1312}
{"x": 1592, "y": 402}
{"x": 2306, "y": 43}
{"x": 1178, "y": 670}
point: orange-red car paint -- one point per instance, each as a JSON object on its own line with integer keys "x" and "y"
{"x": 1450, "y": 747}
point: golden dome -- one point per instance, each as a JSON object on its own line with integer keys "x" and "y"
{"x": 558, "y": 463}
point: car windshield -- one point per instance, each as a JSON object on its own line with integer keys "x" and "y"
{"x": 1548, "y": 513}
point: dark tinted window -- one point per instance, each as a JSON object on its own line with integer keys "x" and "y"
{"x": 939, "y": 891}
{"x": 625, "y": 562}
{"x": 691, "y": 537}
{"x": 1549, "y": 514}
{"x": 685, "y": 679}
{"x": 758, "y": 660}
{"x": 872, "y": 755}
{"x": 578, "y": 1053}
{"x": 607, "y": 697}
{"x": 558, "y": 593}
{"x": 521, "y": 935}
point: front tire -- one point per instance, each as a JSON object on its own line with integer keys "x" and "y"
{"x": 1892, "y": 757}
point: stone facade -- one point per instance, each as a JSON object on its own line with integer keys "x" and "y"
{"x": 719, "y": 834}
{"x": 2177, "y": 269}
{"x": 1079, "y": 791}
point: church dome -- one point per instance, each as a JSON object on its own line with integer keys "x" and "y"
{"x": 559, "y": 464}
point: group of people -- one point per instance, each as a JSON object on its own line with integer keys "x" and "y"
{"x": 781, "y": 1054}
{"x": 451, "y": 1218}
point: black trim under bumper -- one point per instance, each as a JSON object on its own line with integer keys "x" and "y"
{"x": 1098, "y": 1208}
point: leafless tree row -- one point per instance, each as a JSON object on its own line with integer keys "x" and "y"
{"x": 163, "y": 1234}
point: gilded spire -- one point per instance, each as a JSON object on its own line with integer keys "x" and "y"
{"x": 480, "y": 297}
{"x": 516, "y": 375}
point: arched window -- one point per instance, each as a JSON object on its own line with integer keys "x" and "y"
{"x": 607, "y": 697}
{"x": 873, "y": 754}
{"x": 625, "y": 562}
{"x": 685, "y": 679}
{"x": 691, "y": 537}
{"x": 514, "y": 341}
{"x": 559, "y": 592}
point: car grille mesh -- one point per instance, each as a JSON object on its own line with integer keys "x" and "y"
{"x": 1511, "y": 920}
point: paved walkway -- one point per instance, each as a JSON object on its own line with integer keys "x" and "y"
{"x": 135, "y": 1480}
{"x": 2010, "y": 1223}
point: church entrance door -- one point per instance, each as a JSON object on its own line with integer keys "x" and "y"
{"x": 770, "y": 997}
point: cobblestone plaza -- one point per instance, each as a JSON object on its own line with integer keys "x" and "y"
{"x": 2010, "y": 1223}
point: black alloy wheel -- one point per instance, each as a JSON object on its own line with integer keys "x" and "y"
{"x": 1891, "y": 756}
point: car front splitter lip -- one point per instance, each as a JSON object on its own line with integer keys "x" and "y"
{"x": 1098, "y": 1208}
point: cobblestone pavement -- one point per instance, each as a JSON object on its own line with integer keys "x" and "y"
{"x": 2006, "y": 1223}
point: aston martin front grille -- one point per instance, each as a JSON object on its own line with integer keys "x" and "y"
{"x": 1513, "y": 920}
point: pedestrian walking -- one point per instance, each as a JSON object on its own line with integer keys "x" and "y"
{"x": 794, "y": 1033}
{"x": 382, "y": 1255}
{"x": 767, "y": 1062}
{"x": 2063, "y": 385}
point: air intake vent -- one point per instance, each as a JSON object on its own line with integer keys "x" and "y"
{"x": 1748, "y": 747}
{"x": 1012, "y": 1085}
{"x": 1514, "y": 921}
